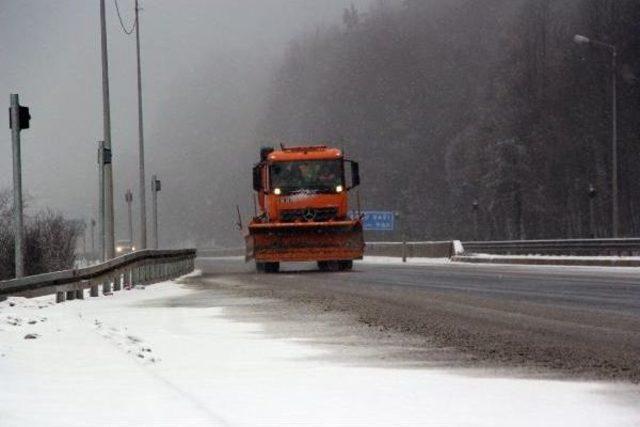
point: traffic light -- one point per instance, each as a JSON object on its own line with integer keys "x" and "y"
{"x": 23, "y": 118}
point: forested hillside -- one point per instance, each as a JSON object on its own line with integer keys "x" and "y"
{"x": 449, "y": 101}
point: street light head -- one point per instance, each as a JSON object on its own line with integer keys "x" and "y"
{"x": 581, "y": 39}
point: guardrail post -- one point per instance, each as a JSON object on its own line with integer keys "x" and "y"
{"x": 126, "y": 278}
{"x": 94, "y": 291}
{"x": 135, "y": 275}
{"x": 146, "y": 274}
{"x": 141, "y": 276}
{"x": 106, "y": 286}
{"x": 117, "y": 281}
{"x": 80, "y": 290}
{"x": 60, "y": 297}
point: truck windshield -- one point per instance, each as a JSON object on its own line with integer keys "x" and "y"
{"x": 317, "y": 175}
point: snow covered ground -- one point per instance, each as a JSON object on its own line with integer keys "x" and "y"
{"x": 135, "y": 358}
{"x": 573, "y": 257}
{"x": 386, "y": 260}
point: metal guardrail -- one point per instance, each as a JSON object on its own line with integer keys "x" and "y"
{"x": 577, "y": 247}
{"x": 217, "y": 253}
{"x": 405, "y": 250}
{"x": 141, "y": 267}
{"x": 394, "y": 249}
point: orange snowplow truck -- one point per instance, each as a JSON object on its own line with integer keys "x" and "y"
{"x": 303, "y": 209}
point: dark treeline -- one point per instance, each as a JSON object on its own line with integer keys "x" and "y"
{"x": 49, "y": 239}
{"x": 449, "y": 101}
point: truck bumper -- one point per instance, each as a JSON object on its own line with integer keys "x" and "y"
{"x": 308, "y": 241}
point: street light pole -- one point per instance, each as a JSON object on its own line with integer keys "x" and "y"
{"x": 142, "y": 189}
{"x": 592, "y": 210}
{"x": 109, "y": 247}
{"x": 614, "y": 131}
{"x": 614, "y": 146}
{"x": 476, "y": 208}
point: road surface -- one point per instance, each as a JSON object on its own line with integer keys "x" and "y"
{"x": 567, "y": 321}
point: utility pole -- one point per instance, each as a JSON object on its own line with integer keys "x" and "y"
{"x": 128, "y": 197}
{"x": 101, "y": 204}
{"x": 84, "y": 239}
{"x": 614, "y": 144}
{"x": 93, "y": 241}
{"x": 155, "y": 187}
{"x": 109, "y": 247}
{"x": 18, "y": 119}
{"x": 142, "y": 189}
{"x": 592, "y": 211}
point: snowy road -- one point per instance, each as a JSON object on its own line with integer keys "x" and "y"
{"x": 578, "y": 321}
{"x": 175, "y": 355}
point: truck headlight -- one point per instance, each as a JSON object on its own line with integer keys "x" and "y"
{"x": 119, "y": 249}
{"x": 339, "y": 189}
{"x": 277, "y": 191}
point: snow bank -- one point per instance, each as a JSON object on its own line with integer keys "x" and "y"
{"x": 558, "y": 257}
{"x": 388, "y": 260}
{"x": 142, "y": 358}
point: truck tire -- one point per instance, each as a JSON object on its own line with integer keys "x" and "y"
{"x": 271, "y": 267}
{"x": 346, "y": 265}
{"x": 260, "y": 267}
{"x": 335, "y": 265}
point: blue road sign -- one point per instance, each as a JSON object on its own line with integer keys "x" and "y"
{"x": 378, "y": 221}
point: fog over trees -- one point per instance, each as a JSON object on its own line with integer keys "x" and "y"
{"x": 443, "y": 102}
{"x": 449, "y": 101}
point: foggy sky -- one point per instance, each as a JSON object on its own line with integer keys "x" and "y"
{"x": 206, "y": 65}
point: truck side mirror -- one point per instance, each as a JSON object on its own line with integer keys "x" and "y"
{"x": 257, "y": 178}
{"x": 355, "y": 174}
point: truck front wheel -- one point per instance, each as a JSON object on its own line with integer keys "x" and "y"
{"x": 267, "y": 267}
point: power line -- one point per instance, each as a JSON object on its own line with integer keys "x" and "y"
{"x": 135, "y": 22}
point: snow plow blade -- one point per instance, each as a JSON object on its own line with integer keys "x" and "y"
{"x": 305, "y": 241}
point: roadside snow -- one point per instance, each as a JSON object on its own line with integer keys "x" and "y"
{"x": 410, "y": 261}
{"x": 138, "y": 358}
{"x": 574, "y": 257}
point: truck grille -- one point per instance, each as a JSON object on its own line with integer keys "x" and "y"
{"x": 311, "y": 214}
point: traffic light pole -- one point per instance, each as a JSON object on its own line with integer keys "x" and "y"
{"x": 18, "y": 230}
{"x": 155, "y": 187}
{"x": 108, "y": 236}
{"x": 101, "y": 218}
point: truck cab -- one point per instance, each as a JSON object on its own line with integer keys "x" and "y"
{"x": 303, "y": 184}
{"x": 303, "y": 208}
